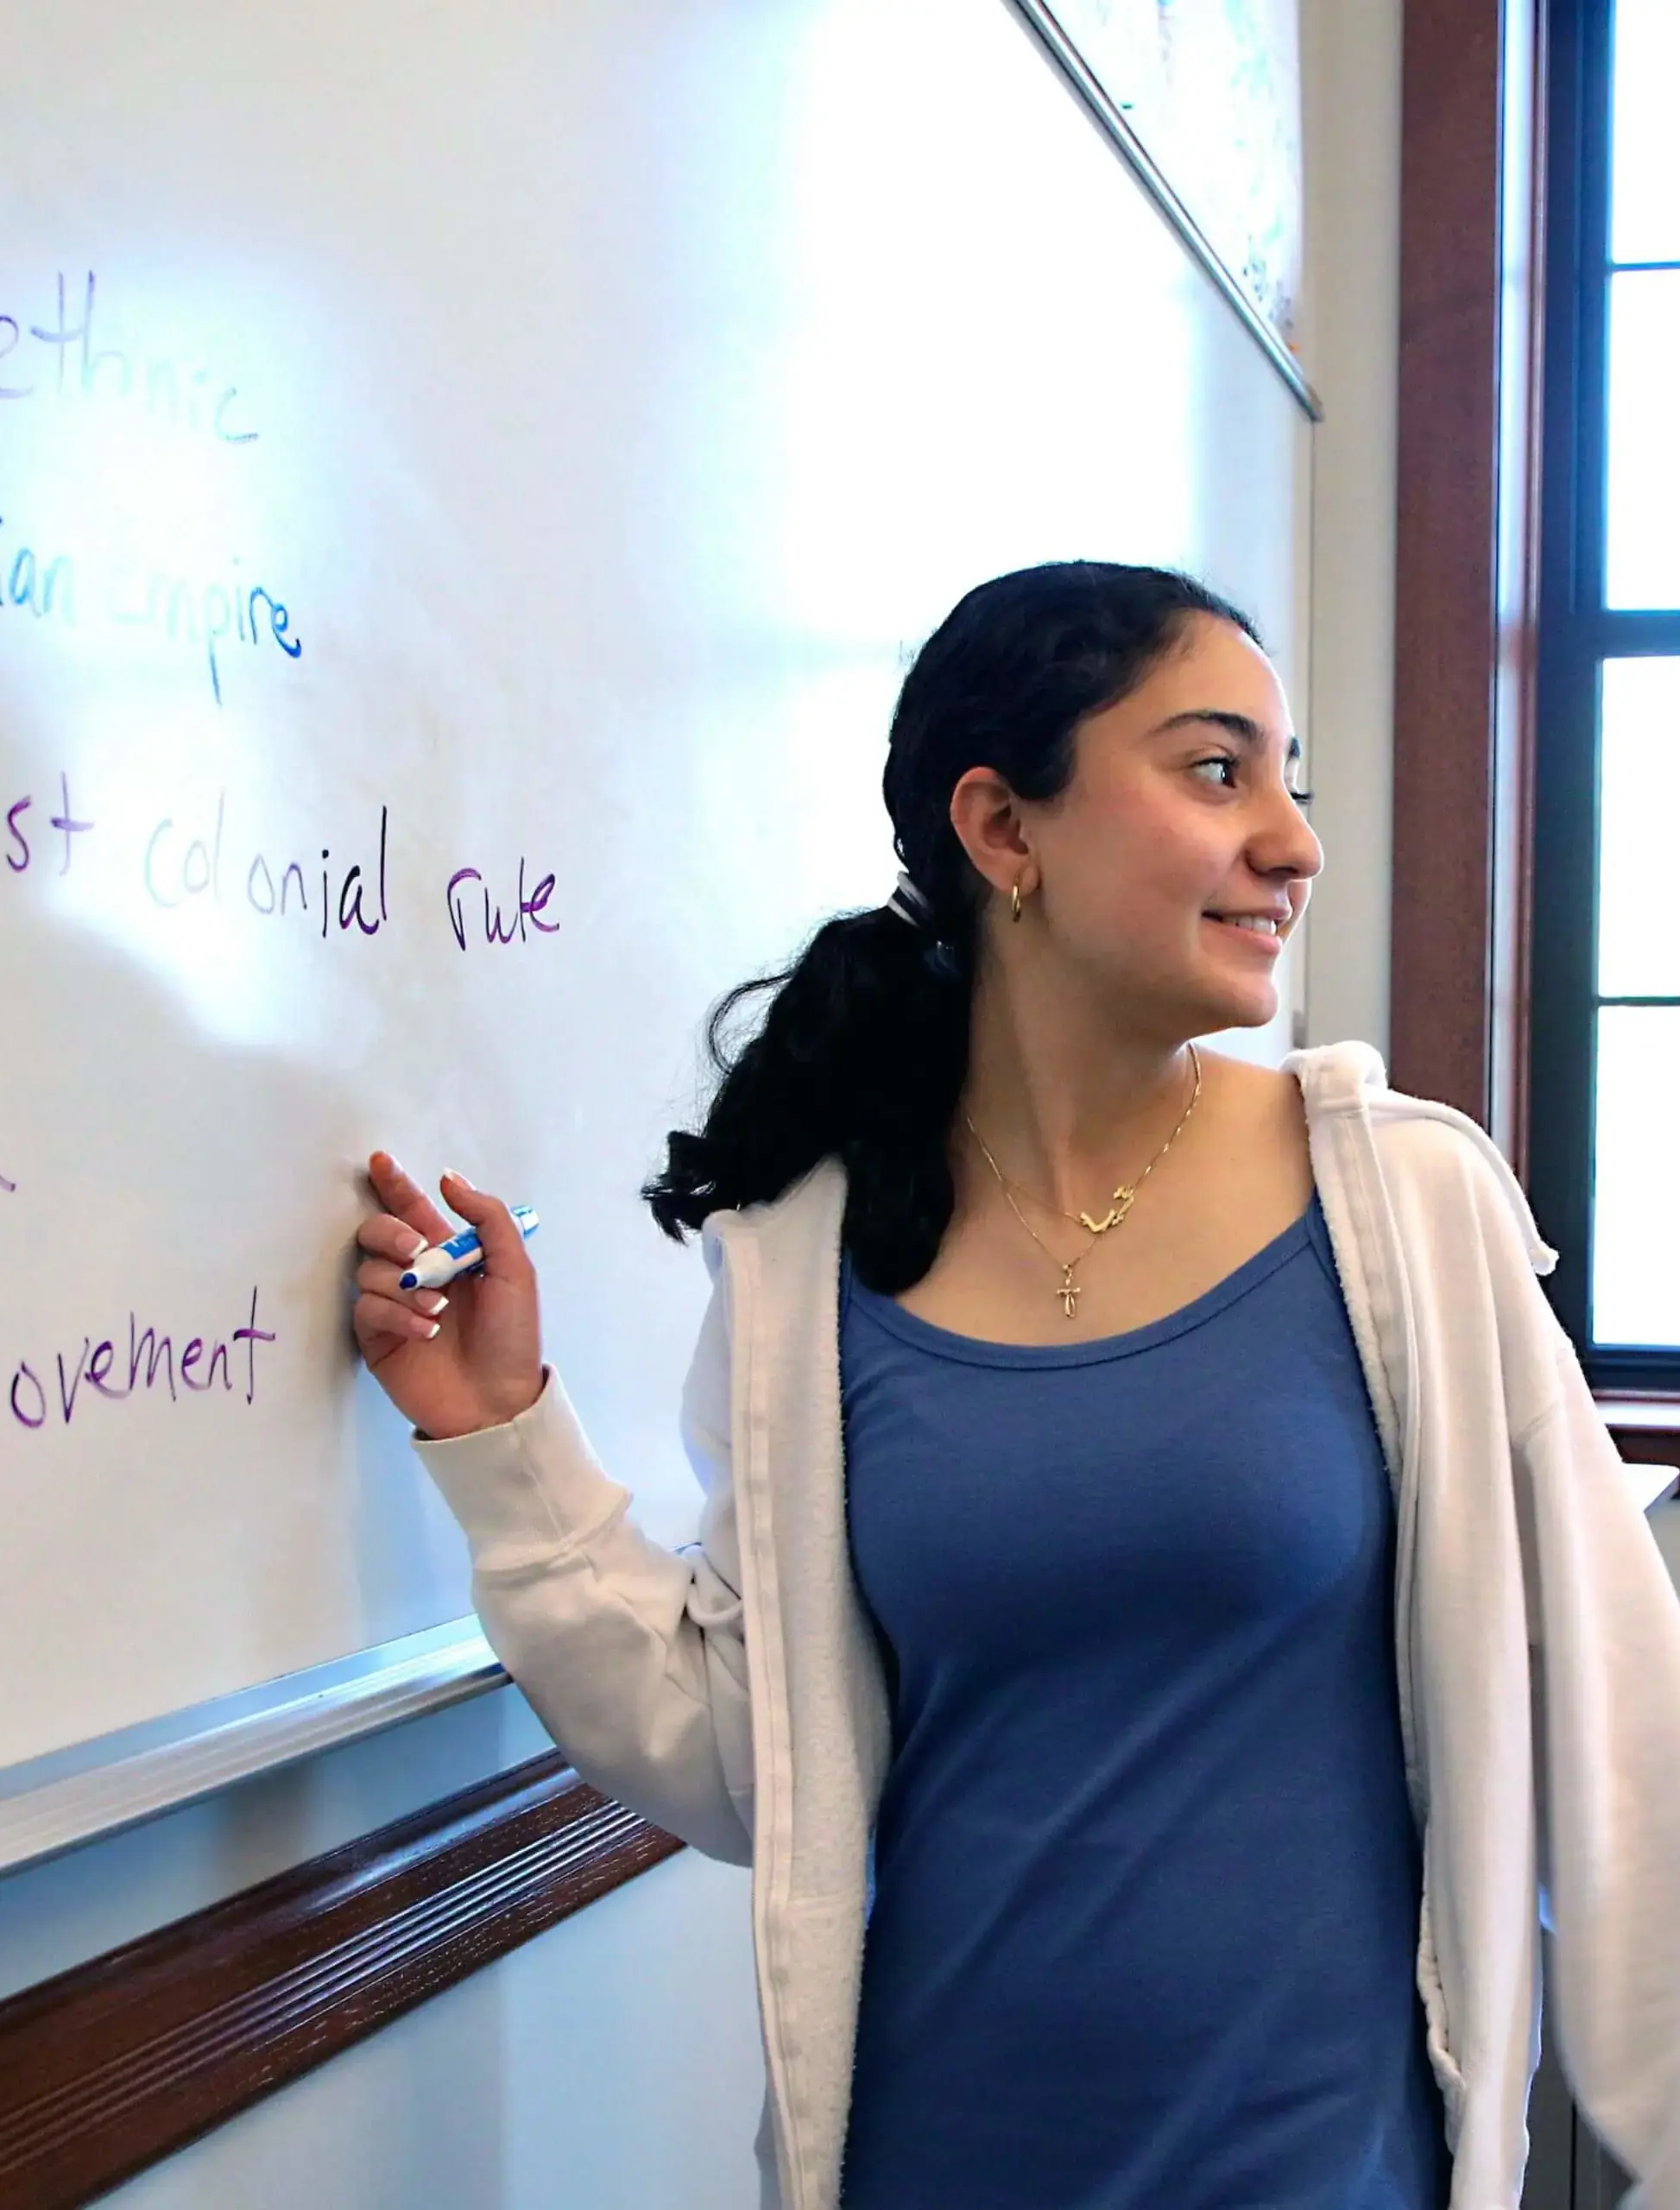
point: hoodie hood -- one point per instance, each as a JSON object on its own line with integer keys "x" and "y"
{"x": 1352, "y": 1078}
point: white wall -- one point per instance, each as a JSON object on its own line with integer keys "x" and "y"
{"x": 1350, "y": 54}
{"x": 611, "y": 2064}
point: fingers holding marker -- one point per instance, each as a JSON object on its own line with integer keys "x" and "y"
{"x": 493, "y": 1240}
{"x": 377, "y": 1317}
{"x": 382, "y": 1236}
{"x": 488, "y": 1368}
{"x": 382, "y": 1277}
{"x": 385, "y": 1315}
{"x": 499, "y": 1230}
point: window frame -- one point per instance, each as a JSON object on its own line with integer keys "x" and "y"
{"x": 1576, "y": 635}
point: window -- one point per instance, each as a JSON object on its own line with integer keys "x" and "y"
{"x": 1604, "y": 1150}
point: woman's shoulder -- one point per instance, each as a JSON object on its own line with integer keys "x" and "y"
{"x": 1443, "y": 1166}
{"x": 1260, "y": 1120}
{"x": 808, "y": 1211}
{"x": 1254, "y": 1090}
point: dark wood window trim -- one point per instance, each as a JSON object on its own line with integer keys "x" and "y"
{"x": 1472, "y": 198}
{"x": 118, "y": 2063}
{"x": 1473, "y": 191}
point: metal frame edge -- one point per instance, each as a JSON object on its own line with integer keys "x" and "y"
{"x": 121, "y": 1779}
{"x": 1039, "y": 19}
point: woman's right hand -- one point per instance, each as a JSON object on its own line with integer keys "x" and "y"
{"x": 451, "y": 1362}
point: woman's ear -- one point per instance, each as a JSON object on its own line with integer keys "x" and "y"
{"x": 987, "y": 818}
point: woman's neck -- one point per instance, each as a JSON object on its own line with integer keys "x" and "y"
{"x": 1068, "y": 1100}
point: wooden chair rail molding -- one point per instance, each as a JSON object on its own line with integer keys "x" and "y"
{"x": 121, "y": 2060}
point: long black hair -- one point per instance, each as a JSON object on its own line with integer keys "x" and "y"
{"x": 863, "y": 1048}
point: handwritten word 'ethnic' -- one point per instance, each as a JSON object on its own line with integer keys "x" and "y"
{"x": 58, "y": 358}
{"x": 51, "y": 1391}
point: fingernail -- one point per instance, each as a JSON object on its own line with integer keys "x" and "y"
{"x": 416, "y": 1247}
{"x": 451, "y": 1176}
{"x": 431, "y": 1329}
{"x": 434, "y": 1304}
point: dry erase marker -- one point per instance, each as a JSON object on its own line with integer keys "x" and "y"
{"x": 432, "y": 1269}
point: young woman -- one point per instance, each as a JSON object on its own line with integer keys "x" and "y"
{"x": 1147, "y": 1504}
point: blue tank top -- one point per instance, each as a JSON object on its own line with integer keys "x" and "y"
{"x": 1145, "y": 1879}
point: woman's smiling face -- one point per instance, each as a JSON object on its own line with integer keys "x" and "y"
{"x": 1182, "y": 814}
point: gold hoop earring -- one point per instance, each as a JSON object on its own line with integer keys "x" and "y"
{"x": 1014, "y": 901}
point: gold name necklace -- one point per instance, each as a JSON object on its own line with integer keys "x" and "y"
{"x": 1120, "y": 1203}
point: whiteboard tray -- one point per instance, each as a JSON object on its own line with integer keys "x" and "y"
{"x": 99, "y": 1787}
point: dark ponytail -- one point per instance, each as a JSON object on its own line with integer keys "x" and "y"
{"x": 863, "y": 1050}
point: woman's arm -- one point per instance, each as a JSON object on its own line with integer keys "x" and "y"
{"x": 631, "y": 1655}
{"x": 1604, "y": 1630}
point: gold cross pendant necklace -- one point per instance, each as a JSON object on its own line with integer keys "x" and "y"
{"x": 1120, "y": 1203}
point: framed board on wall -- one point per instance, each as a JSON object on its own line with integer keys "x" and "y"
{"x": 450, "y": 606}
{"x": 1204, "y": 97}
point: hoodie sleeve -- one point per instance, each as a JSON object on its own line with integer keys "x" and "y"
{"x": 632, "y": 1656}
{"x": 1604, "y": 1629}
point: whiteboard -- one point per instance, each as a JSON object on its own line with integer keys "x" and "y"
{"x": 470, "y": 483}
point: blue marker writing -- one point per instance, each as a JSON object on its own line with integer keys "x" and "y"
{"x": 432, "y": 1269}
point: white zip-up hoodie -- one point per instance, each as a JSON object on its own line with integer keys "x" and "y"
{"x": 732, "y": 1692}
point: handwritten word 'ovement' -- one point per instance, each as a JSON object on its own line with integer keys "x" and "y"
{"x": 58, "y": 358}
{"x": 50, "y": 1392}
